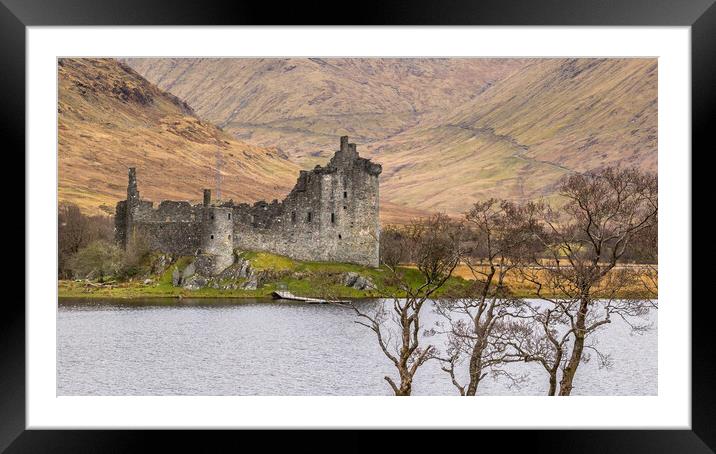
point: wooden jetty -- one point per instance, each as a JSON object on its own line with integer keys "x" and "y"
{"x": 285, "y": 295}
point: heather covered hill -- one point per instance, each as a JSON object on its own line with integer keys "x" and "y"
{"x": 518, "y": 138}
{"x": 447, "y": 131}
{"x": 577, "y": 113}
{"x": 111, "y": 118}
{"x": 300, "y": 105}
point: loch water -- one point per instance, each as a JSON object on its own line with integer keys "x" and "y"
{"x": 264, "y": 347}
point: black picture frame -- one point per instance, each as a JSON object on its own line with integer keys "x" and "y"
{"x": 16, "y": 15}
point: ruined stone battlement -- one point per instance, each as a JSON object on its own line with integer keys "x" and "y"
{"x": 331, "y": 214}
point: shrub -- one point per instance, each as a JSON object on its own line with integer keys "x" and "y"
{"x": 75, "y": 230}
{"x": 97, "y": 260}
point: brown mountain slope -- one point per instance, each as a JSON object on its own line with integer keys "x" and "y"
{"x": 447, "y": 132}
{"x": 111, "y": 118}
{"x": 519, "y": 137}
{"x": 577, "y": 113}
{"x": 300, "y": 105}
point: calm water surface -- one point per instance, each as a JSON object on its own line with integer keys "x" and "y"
{"x": 261, "y": 347}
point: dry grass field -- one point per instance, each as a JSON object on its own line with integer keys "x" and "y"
{"x": 645, "y": 282}
{"x": 300, "y": 105}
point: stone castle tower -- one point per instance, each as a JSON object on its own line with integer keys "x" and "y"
{"x": 330, "y": 215}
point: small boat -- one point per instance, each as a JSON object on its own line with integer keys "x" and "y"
{"x": 285, "y": 295}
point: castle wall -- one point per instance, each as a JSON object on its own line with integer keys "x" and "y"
{"x": 217, "y": 247}
{"x": 120, "y": 223}
{"x": 173, "y": 227}
{"x": 177, "y": 238}
{"x": 330, "y": 215}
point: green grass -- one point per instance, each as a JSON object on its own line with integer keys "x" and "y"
{"x": 317, "y": 279}
{"x": 312, "y": 279}
{"x": 267, "y": 261}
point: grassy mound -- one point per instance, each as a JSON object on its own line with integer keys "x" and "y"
{"x": 315, "y": 279}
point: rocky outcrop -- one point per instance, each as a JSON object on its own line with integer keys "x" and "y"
{"x": 241, "y": 275}
{"x": 181, "y": 277}
{"x": 189, "y": 271}
{"x": 358, "y": 282}
{"x": 195, "y": 282}
{"x": 161, "y": 263}
{"x": 251, "y": 284}
{"x": 241, "y": 269}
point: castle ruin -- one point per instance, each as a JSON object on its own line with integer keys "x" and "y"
{"x": 330, "y": 215}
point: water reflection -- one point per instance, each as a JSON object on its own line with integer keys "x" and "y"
{"x": 262, "y": 347}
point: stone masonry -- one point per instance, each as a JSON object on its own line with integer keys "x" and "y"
{"x": 331, "y": 215}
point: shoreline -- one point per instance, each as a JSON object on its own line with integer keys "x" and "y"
{"x": 308, "y": 279}
{"x": 239, "y": 294}
{"x": 135, "y": 290}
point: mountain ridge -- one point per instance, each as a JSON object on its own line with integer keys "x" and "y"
{"x": 448, "y": 132}
{"x": 110, "y": 118}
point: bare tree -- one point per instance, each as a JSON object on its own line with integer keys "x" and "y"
{"x": 72, "y": 229}
{"x": 577, "y": 278}
{"x": 434, "y": 247}
{"x": 475, "y": 319}
{"x": 76, "y": 230}
{"x": 538, "y": 340}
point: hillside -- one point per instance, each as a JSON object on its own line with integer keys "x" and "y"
{"x": 519, "y": 137}
{"x": 447, "y": 131}
{"x": 110, "y": 118}
{"x": 300, "y": 105}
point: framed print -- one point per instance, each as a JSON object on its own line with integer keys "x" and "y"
{"x": 241, "y": 218}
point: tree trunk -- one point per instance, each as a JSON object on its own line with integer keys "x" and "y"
{"x": 405, "y": 389}
{"x": 565, "y": 386}
{"x": 406, "y": 383}
{"x": 553, "y": 373}
{"x": 406, "y": 380}
{"x": 475, "y": 369}
{"x": 552, "y": 383}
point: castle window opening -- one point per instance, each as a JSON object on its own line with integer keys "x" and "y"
{"x": 345, "y": 207}
{"x": 212, "y": 237}
{"x": 339, "y": 236}
{"x": 229, "y": 215}
{"x": 309, "y": 217}
{"x": 345, "y": 194}
{"x": 212, "y": 216}
{"x": 293, "y": 217}
{"x": 333, "y": 218}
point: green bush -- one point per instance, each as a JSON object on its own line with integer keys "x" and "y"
{"x": 97, "y": 260}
